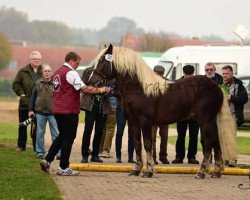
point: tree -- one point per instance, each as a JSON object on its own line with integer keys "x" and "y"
{"x": 51, "y": 32}
{"x": 116, "y": 28}
{"x": 5, "y": 51}
{"x": 15, "y": 24}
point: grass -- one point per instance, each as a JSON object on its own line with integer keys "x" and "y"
{"x": 242, "y": 142}
{"x": 21, "y": 177}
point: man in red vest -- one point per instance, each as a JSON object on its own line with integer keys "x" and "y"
{"x": 66, "y": 108}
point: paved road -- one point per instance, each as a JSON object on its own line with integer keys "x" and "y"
{"x": 118, "y": 185}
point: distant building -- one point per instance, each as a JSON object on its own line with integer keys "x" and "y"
{"x": 51, "y": 56}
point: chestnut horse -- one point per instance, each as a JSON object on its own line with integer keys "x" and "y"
{"x": 149, "y": 100}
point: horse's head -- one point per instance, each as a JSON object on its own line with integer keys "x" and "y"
{"x": 103, "y": 70}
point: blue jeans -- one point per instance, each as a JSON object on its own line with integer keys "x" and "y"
{"x": 121, "y": 122}
{"x": 40, "y": 132}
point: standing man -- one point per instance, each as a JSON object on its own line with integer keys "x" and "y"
{"x": 210, "y": 72}
{"x": 236, "y": 94}
{"x": 66, "y": 108}
{"x": 182, "y": 126}
{"x": 163, "y": 130}
{"x": 41, "y": 107}
{"x": 22, "y": 86}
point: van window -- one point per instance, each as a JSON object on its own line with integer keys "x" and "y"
{"x": 167, "y": 65}
{"x": 220, "y": 65}
{"x": 246, "y": 83}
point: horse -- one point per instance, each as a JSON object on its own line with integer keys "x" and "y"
{"x": 149, "y": 100}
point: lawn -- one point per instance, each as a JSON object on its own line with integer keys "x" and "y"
{"x": 242, "y": 142}
{"x": 21, "y": 177}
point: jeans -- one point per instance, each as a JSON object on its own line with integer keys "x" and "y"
{"x": 121, "y": 122}
{"x": 40, "y": 132}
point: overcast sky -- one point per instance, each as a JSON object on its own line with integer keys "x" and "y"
{"x": 185, "y": 17}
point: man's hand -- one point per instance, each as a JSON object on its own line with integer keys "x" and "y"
{"x": 31, "y": 113}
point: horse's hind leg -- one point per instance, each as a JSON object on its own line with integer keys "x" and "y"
{"x": 208, "y": 130}
{"x": 218, "y": 165}
{"x": 136, "y": 133}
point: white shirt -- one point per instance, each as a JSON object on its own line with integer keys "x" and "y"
{"x": 73, "y": 78}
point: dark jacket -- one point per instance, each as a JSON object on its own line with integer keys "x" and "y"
{"x": 218, "y": 79}
{"x": 23, "y": 84}
{"x": 88, "y": 100}
{"x": 41, "y": 99}
{"x": 239, "y": 98}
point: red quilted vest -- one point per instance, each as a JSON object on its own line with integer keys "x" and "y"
{"x": 66, "y": 99}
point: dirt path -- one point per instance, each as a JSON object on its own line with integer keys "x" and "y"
{"x": 118, "y": 185}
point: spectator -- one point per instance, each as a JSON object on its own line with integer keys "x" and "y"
{"x": 210, "y": 72}
{"x": 163, "y": 130}
{"x": 236, "y": 94}
{"x": 96, "y": 107}
{"x": 40, "y": 106}
{"x": 121, "y": 123}
{"x": 22, "y": 86}
{"x": 66, "y": 107}
{"x": 182, "y": 126}
{"x": 109, "y": 127}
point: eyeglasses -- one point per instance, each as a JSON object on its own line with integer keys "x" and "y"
{"x": 209, "y": 69}
{"x": 36, "y": 58}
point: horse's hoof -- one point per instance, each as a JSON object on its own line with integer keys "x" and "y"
{"x": 147, "y": 175}
{"x": 134, "y": 173}
{"x": 216, "y": 175}
{"x": 200, "y": 176}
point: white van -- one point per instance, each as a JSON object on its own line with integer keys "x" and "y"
{"x": 175, "y": 58}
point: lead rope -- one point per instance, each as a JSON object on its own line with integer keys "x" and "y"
{"x": 242, "y": 187}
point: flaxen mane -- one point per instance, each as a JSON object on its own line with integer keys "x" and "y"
{"x": 128, "y": 61}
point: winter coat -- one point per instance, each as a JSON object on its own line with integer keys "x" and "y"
{"x": 23, "y": 84}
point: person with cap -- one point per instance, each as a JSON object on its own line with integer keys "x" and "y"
{"x": 163, "y": 130}
{"x": 188, "y": 70}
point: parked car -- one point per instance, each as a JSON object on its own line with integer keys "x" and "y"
{"x": 246, "y": 82}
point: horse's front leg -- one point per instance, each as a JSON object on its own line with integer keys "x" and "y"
{"x": 147, "y": 139}
{"x": 136, "y": 133}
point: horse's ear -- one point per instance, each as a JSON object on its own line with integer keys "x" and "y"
{"x": 110, "y": 49}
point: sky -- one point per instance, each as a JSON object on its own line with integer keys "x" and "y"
{"x": 188, "y": 18}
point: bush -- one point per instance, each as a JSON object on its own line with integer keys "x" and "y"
{"x": 6, "y": 89}
{"x": 5, "y": 51}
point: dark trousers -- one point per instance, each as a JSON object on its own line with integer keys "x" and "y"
{"x": 163, "y": 132}
{"x": 193, "y": 137}
{"x": 67, "y": 126}
{"x": 22, "y": 130}
{"x": 121, "y": 122}
{"x": 91, "y": 118}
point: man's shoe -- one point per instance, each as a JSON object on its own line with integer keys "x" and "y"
{"x": 131, "y": 160}
{"x": 164, "y": 160}
{"x": 19, "y": 149}
{"x": 105, "y": 154}
{"x": 67, "y": 172}
{"x": 118, "y": 160}
{"x": 44, "y": 164}
{"x": 232, "y": 163}
{"x": 193, "y": 161}
{"x": 40, "y": 156}
{"x": 156, "y": 162}
{"x": 177, "y": 161}
{"x": 96, "y": 159}
{"x": 226, "y": 162}
{"x": 84, "y": 159}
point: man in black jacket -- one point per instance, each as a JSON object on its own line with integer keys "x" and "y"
{"x": 236, "y": 94}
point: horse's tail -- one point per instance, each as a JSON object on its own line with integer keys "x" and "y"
{"x": 227, "y": 132}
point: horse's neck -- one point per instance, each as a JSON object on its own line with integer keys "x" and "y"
{"x": 126, "y": 83}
